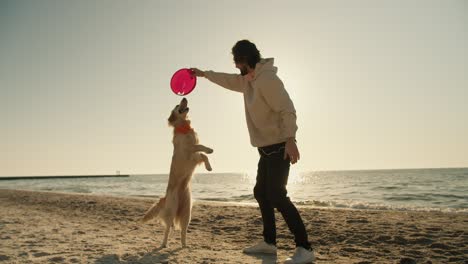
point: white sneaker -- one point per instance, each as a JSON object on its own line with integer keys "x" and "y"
{"x": 301, "y": 256}
{"x": 261, "y": 248}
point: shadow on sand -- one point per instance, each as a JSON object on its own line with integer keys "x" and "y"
{"x": 265, "y": 259}
{"x": 154, "y": 256}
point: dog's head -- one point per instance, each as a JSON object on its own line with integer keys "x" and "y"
{"x": 179, "y": 113}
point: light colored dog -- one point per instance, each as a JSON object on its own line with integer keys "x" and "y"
{"x": 174, "y": 210}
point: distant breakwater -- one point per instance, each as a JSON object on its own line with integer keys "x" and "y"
{"x": 62, "y": 177}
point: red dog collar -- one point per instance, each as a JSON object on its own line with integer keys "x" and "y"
{"x": 183, "y": 129}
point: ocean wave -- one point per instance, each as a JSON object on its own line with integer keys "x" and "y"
{"x": 431, "y": 197}
{"x": 243, "y": 197}
{"x": 453, "y": 196}
{"x": 375, "y": 206}
{"x": 408, "y": 197}
{"x": 345, "y": 205}
{"x": 239, "y": 198}
{"x": 386, "y": 188}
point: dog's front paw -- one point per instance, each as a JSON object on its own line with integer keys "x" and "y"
{"x": 209, "y": 151}
{"x": 208, "y": 168}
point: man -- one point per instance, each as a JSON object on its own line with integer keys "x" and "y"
{"x": 271, "y": 120}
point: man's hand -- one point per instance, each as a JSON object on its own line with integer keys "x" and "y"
{"x": 197, "y": 72}
{"x": 291, "y": 150}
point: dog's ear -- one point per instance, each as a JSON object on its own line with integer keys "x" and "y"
{"x": 172, "y": 118}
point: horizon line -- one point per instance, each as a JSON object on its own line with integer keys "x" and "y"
{"x": 224, "y": 172}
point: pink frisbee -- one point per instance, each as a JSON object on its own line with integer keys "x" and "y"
{"x": 183, "y": 82}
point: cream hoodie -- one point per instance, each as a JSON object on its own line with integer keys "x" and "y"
{"x": 269, "y": 111}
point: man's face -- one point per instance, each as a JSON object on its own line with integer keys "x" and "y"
{"x": 243, "y": 67}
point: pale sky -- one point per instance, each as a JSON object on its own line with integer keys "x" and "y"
{"x": 84, "y": 85}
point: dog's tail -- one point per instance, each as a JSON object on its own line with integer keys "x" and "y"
{"x": 154, "y": 210}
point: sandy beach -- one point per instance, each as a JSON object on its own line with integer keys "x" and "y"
{"x": 44, "y": 227}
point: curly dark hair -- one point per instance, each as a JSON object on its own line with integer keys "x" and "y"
{"x": 246, "y": 52}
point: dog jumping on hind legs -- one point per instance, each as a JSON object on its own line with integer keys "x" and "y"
{"x": 174, "y": 210}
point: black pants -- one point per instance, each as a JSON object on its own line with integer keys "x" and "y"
{"x": 270, "y": 192}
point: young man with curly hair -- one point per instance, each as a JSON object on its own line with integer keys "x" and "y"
{"x": 271, "y": 121}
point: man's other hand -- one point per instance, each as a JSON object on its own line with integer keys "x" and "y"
{"x": 291, "y": 150}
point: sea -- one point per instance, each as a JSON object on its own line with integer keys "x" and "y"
{"x": 443, "y": 189}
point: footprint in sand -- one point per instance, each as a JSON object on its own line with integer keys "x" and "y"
{"x": 56, "y": 259}
{"x": 41, "y": 254}
{"x": 440, "y": 246}
{"x": 422, "y": 241}
{"x": 4, "y": 257}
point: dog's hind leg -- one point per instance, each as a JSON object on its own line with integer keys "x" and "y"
{"x": 166, "y": 235}
{"x": 184, "y": 223}
{"x": 183, "y": 235}
{"x": 201, "y": 148}
{"x": 206, "y": 161}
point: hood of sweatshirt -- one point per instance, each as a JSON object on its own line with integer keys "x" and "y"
{"x": 265, "y": 66}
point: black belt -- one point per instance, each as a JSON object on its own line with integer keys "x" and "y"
{"x": 272, "y": 149}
